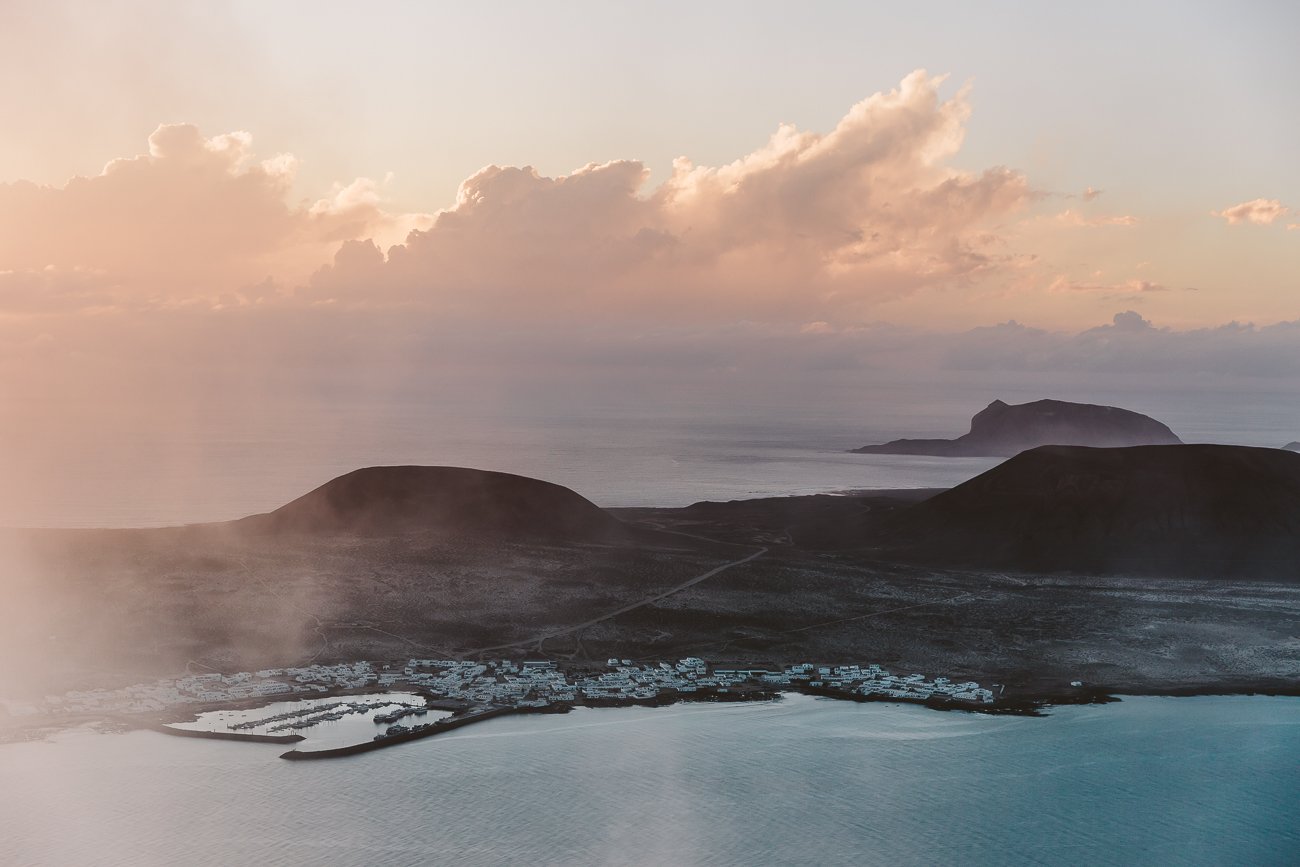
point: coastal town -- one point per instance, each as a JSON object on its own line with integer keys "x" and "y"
{"x": 527, "y": 684}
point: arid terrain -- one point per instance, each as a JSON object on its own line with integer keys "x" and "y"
{"x": 759, "y": 581}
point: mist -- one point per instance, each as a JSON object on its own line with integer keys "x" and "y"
{"x": 169, "y": 419}
{"x": 817, "y": 434}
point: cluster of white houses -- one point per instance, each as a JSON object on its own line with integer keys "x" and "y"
{"x": 533, "y": 683}
{"x": 542, "y": 682}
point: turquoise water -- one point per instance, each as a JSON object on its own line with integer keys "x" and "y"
{"x": 797, "y": 781}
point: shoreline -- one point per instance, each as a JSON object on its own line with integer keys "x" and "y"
{"x": 1014, "y": 707}
{"x": 1037, "y": 703}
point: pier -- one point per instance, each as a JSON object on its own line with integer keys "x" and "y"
{"x": 382, "y": 741}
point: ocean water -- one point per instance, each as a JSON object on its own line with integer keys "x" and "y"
{"x": 1169, "y": 781}
{"x": 233, "y": 467}
{"x": 210, "y": 456}
{"x": 797, "y": 781}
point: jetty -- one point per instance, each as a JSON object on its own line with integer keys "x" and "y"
{"x": 246, "y": 737}
{"x": 411, "y": 734}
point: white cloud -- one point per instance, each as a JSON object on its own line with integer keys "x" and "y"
{"x": 1261, "y": 212}
{"x": 805, "y": 226}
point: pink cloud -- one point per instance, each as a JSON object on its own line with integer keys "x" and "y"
{"x": 1261, "y": 212}
{"x": 807, "y": 223}
{"x": 192, "y": 218}
{"x": 809, "y": 226}
{"x": 1133, "y": 286}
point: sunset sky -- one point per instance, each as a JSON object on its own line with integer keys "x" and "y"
{"x": 247, "y": 245}
{"x": 183, "y": 176}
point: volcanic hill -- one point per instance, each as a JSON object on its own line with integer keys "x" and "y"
{"x": 446, "y": 501}
{"x": 1186, "y": 510}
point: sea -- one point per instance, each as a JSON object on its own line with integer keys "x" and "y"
{"x": 216, "y": 456}
{"x": 798, "y": 780}
{"x": 1163, "y": 781}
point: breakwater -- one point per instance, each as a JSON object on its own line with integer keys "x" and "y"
{"x": 228, "y": 736}
{"x": 437, "y": 728}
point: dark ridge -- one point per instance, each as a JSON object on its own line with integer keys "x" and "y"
{"x": 1188, "y": 510}
{"x": 1002, "y": 430}
{"x": 447, "y": 501}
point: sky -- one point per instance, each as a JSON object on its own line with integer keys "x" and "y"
{"x": 194, "y": 191}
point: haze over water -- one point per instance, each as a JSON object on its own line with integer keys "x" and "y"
{"x": 658, "y": 254}
{"x": 215, "y": 457}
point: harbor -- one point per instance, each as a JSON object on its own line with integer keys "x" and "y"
{"x": 312, "y": 723}
{"x": 327, "y": 711}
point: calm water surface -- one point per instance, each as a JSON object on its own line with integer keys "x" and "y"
{"x": 212, "y": 458}
{"x": 797, "y": 781}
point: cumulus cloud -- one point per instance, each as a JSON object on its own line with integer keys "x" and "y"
{"x": 190, "y": 218}
{"x": 806, "y": 225}
{"x": 1261, "y": 212}
{"x": 810, "y": 230}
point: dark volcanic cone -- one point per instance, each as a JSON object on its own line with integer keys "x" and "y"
{"x": 1170, "y": 510}
{"x": 451, "y": 501}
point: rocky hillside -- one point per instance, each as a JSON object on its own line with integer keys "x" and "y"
{"x": 1212, "y": 510}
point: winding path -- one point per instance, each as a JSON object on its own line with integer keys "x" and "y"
{"x": 649, "y": 600}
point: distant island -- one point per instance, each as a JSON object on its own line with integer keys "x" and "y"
{"x": 1292, "y": 447}
{"x": 1003, "y": 430}
{"x": 1151, "y": 569}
